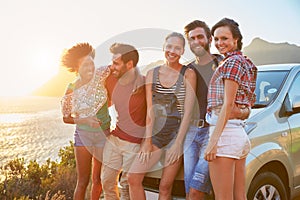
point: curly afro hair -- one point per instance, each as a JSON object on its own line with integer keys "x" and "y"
{"x": 70, "y": 57}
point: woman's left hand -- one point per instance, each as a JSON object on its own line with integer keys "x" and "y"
{"x": 174, "y": 153}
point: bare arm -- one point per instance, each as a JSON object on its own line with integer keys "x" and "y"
{"x": 190, "y": 80}
{"x": 150, "y": 115}
{"x": 146, "y": 146}
{"x": 91, "y": 121}
{"x": 68, "y": 120}
{"x": 229, "y": 98}
{"x": 190, "y": 84}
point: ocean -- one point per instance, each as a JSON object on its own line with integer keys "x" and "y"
{"x": 32, "y": 128}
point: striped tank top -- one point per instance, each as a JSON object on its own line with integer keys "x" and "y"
{"x": 178, "y": 88}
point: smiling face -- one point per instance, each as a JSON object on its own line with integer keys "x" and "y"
{"x": 86, "y": 68}
{"x": 224, "y": 40}
{"x": 118, "y": 67}
{"x": 198, "y": 41}
{"x": 173, "y": 48}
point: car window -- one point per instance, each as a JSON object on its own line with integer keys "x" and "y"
{"x": 294, "y": 89}
{"x": 268, "y": 85}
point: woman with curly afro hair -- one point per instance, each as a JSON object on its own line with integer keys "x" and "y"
{"x": 85, "y": 104}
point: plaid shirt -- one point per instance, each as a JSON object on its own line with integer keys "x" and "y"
{"x": 238, "y": 68}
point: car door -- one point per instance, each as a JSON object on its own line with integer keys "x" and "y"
{"x": 294, "y": 122}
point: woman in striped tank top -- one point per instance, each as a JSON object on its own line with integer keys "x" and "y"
{"x": 170, "y": 94}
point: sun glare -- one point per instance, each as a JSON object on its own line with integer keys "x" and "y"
{"x": 42, "y": 66}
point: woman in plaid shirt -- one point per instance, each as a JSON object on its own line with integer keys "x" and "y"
{"x": 233, "y": 83}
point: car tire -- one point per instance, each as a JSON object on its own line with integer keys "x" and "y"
{"x": 267, "y": 185}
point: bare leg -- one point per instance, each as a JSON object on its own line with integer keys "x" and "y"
{"x": 137, "y": 173}
{"x": 222, "y": 177}
{"x": 136, "y": 189}
{"x": 196, "y": 194}
{"x": 167, "y": 180}
{"x": 240, "y": 179}
{"x": 96, "y": 175}
{"x": 83, "y": 167}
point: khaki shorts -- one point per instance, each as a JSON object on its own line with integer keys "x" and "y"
{"x": 233, "y": 142}
{"x": 119, "y": 154}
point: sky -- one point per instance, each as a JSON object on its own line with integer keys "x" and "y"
{"x": 34, "y": 33}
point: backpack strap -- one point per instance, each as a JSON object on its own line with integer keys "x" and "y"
{"x": 154, "y": 78}
{"x": 180, "y": 78}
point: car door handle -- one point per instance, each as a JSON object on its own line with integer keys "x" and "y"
{"x": 284, "y": 134}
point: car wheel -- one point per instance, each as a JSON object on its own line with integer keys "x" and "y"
{"x": 267, "y": 185}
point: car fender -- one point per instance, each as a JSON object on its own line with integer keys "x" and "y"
{"x": 264, "y": 154}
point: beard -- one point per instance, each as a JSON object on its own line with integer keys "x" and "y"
{"x": 200, "y": 51}
{"x": 118, "y": 73}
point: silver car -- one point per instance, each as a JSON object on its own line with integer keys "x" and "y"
{"x": 273, "y": 165}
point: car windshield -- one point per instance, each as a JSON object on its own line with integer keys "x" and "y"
{"x": 268, "y": 85}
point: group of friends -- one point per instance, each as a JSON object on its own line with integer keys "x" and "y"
{"x": 176, "y": 113}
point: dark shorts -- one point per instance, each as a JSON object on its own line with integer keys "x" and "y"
{"x": 162, "y": 140}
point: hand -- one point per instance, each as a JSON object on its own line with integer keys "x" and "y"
{"x": 245, "y": 113}
{"x": 145, "y": 152}
{"x": 210, "y": 155}
{"x": 211, "y": 150}
{"x": 239, "y": 112}
{"x": 94, "y": 122}
{"x": 91, "y": 121}
{"x": 174, "y": 153}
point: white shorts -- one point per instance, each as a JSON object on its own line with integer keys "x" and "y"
{"x": 233, "y": 142}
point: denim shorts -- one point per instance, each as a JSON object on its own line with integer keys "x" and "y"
{"x": 164, "y": 140}
{"x": 233, "y": 142}
{"x": 196, "y": 172}
{"x": 89, "y": 138}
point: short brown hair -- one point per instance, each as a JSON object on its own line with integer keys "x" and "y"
{"x": 195, "y": 24}
{"x": 128, "y": 52}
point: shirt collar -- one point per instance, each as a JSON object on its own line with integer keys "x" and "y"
{"x": 233, "y": 53}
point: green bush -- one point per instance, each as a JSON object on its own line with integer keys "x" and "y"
{"x": 49, "y": 181}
